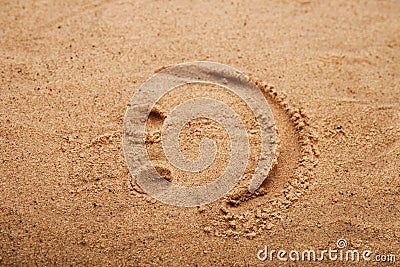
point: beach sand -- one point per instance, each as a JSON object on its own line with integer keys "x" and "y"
{"x": 329, "y": 71}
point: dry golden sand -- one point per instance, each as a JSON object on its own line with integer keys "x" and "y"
{"x": 328, "y": 69}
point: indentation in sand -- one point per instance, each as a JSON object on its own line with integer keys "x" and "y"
{"x": 239, "y": 214}
{"x": 247, "y": 214}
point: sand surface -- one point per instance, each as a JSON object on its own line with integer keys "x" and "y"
{"x": 329, "y": 70}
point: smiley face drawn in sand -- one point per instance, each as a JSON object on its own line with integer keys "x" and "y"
{"x": 150, "y": 178}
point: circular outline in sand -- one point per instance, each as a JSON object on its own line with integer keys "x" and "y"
{"x": 138, "y": 111}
